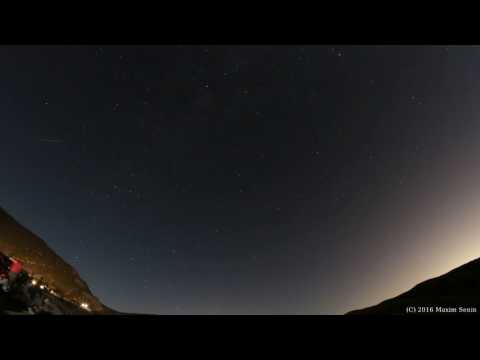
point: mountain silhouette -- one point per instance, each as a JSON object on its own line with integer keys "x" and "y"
{"x": 456, "y": 292}
{"x": 42, "y": 263}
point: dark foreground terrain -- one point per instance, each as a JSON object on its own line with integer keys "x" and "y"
{"x": 456, "y": 292}
{"x": 27, "y": 299}
{"x": 43, "y": 265}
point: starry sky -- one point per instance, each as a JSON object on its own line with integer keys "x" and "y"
{"x": 235, "y": 179}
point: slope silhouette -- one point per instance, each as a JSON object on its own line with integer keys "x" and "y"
{"x": 41, "y": 262}
{"x": 458, "y": 289}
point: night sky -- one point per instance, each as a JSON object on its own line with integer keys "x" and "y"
{"x": 245, "y": 179}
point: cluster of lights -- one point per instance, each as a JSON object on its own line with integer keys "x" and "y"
{"x": 43, "y": 287}
{"x": 83, "y": 305}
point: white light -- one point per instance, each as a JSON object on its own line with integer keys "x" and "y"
{"x": 85, "y": 306}
{"x": 34, "y": 282}
{"x": 42, "y": 287}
